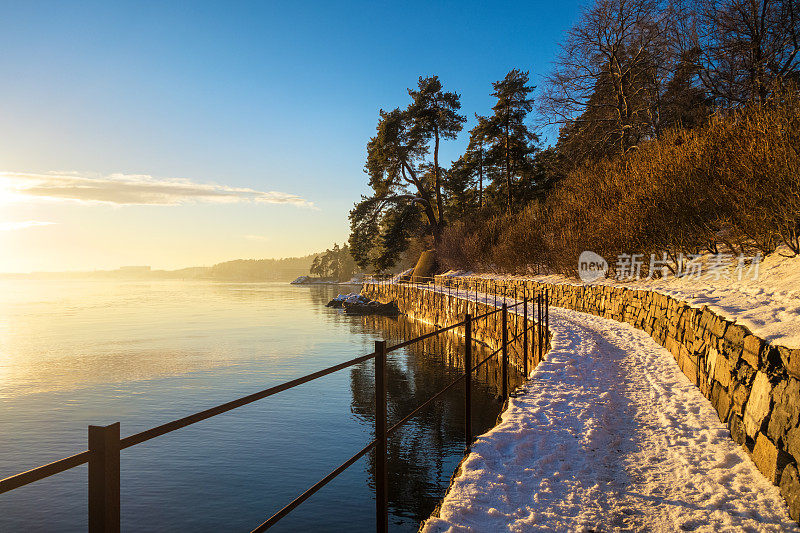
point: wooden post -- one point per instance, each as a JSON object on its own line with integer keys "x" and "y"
{"x": 467, "y": 381}
{"x": 525, "y": 336}
{"x": 104, "y": 479}
{"x": 505, "y": 350}
{"x": 381, "y": 477}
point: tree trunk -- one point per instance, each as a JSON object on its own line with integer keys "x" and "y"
{"x": 508, "y": 166}
{"x": 438, "y": 175}
{"x": 480, "y": 175}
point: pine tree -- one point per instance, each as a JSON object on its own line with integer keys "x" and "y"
{"x": 407, "y": 187}
{"x": 435, "y": 116}
{"x": 510, "y": 144}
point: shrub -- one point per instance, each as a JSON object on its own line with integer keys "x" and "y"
{"x": 732, "y": 185}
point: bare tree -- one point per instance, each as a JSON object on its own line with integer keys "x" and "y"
{"x": 608, "y": 77}
{"x": 749, "y": 47}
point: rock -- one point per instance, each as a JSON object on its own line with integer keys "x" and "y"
{"x": 769, "y": 459}
{"x": 740, "y": 394}
{"x": 753, "y": 346}
{"x": 717, "y": 326}
{"x": 745, "y": 374}
{"x": 721, "y": 401}
{"x": 688, "y": 364}
{"x": 786, "y": 409}
{"x": 371, "y": 308}
{"x": 736, "y": 426}
{"x": 772, "y": 360}
{"x": 791, "y": 442}
{"x": 791, "y": 360}
{"x": 426, "y": 265}
{"x": 338, "y": 302}
{"x": 711, "y": 363}
{"x": 758, "y": 404}
{"x": 790, "y": 490}
{"x": 722, "y": 372}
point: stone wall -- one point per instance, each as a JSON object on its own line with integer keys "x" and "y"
{"x": 443, "y": 310}
{"x": 754, "y": 386}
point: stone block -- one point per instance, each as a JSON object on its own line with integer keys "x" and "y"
{"x": 732, "y": 344}
{"x": 791, "y": 360}
{"x": 688, "y": 364}
{"x": 722, "y": 372}
{"x": 711, "y": 363}
{"x": 786, "y": 409}
{"x": 771, "y": 359}
{"x": 790, "y": 490}
{"x": 736, "y": 427}
{"x": 791, "y": 442}
{"x": 745, "y": 374}
{"x": 751, "y": 352}
{"x": 718, "y": 326}
{"x": 721, "y": 401}
{"x": 739, "y": 398}
{"x": 769, "y": 459}
{"x": 758, "y": 404}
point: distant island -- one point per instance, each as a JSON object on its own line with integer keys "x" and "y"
{"x": 334, "y": 265}
{"x": 241, "y": 270}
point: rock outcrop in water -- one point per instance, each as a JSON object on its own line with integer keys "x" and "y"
{"x": 356, "y": 304}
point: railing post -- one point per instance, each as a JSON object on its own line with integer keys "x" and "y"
{"x": 467, "y": 381}
{"x": 541, "y": 324}
{"x": 525, "y": 335}
{"x": 104, "y": 479}
{"x": 505, "y": 351}
{"x": 381, "y": 477}
{"x": 547, "y": 314}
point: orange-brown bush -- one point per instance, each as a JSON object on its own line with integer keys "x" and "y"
{"x": 735, "y": 182}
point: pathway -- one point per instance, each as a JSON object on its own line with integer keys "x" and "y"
{"x": 609, "y": 435}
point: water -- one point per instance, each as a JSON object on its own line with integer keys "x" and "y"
{"x": 74, "y": 353}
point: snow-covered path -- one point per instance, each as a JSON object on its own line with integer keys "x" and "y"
{"x": 609, "y": 435}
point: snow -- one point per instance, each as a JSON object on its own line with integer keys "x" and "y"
{"x": 608, "y": 434}
{"x": 768, "y": 306}
{"x": 402, "y": 275}
{"x": 353, "y": 297}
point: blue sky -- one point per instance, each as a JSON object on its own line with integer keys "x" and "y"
{"x": 257, "y": 96}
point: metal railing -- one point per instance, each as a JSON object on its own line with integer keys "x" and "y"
{"x": 105, "y": 444}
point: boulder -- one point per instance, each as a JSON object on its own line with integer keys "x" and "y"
{"x": 337, "y": 303}
{"x": 371, "y": 308}
{"x": 425, "y": 267}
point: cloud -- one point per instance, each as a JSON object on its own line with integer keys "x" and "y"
{"x": 11, "y": 226}
{"x": 133, "y": 189}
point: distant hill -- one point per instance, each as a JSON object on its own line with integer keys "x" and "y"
{"x": 244, "y": 270}
{"x": 262, "y": 269}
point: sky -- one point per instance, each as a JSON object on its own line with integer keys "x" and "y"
{"x": 178, "y": 134}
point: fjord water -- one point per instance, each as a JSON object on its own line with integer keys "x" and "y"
{"x": 80, "y": 352}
